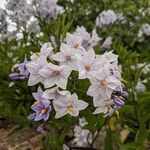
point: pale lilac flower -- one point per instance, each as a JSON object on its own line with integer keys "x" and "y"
{"x": 34, "y": 67}
{"x": 103, "y": 85}
{"x": 112, "y": 58}
{"x": 54, "y": 93}
{"x": 75, "y": 42}
{"x": 54, "y": 74}
{"x": 38, "y": 96}
{"x": 66, "y": 56}
{"x": 82, "y": 122}
{"x": 48, "y": 8}
{"x": 88, "y": 65}
{"x": 121, "y": 18}
{"x": 107, "y": 43}
{"x": 104, "y": 107}
{"x": 106, "y": 17}
{"x": 23, "y": 72}
{"x": 145, "y": 29}
{"x": 42, "y": 111}
{"x": 94, "y": 39}
{"x": 82, "y": 137}
{"x": 46, "y": 51}
{"x": 88, "y": 41}
{"x": 69, "y": 105}
{"x": 52, "y": 38}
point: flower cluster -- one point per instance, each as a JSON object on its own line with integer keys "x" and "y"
{"x": 48, "y": 8}
{"x": 53, "y": 70}
{"x": 23, "y": 16}
{"x": 109, "y": 17}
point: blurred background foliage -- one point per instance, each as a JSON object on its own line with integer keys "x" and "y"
{"x": 15, "y": 101}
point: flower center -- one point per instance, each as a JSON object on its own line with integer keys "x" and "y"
{"x": 70, "y": 109}
{"x": 108, "y": 106}
{"x": 88, "y": 67}
{"x": 76, "y": 45}
{"x": 55, "y": 73}
{"x": 103, "y": 82}
{"x": 68, "y": 57}
{"x": 43, "y": 111}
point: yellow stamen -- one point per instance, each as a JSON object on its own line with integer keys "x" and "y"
{"x": 103, "y": 82}
{"x": 119, "y": 69}
{"x": 43, "y": 111}
{"x": 70, "y": 109}
{"x": 121, "y": 79}
{"x": 108, "y": 106}
{"x": 117, "y": 113}
{"x": 36, "y": 103}
{"x": 76, "y": 45}
{"x": 120, "y": 97}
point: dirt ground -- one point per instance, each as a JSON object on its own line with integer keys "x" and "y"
{"x": 27, "y": 140}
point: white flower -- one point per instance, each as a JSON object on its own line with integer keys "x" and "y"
{"x": 140, "y": 87}
{"x": 34, "y": 67}
{"x": 82, "y": 136}
{"x": 145, "y": 29}
{"x": 46, "y": 50}
{"x": 74, "y": 41}
{"x": 69, "y": 105}
{"x": 54, "y": 74}
{"x": 66, "y": 56}
{"x": 107, "y": 43}
{"x": 112, "y": 58}
{"x": 54, "y": 93}
{"x": 94, "y": 39}
{"x": 87, "y": 65}
{"x": 104, "y": 107}
{"x": 82, "y": 122}
{"x": 103, "y": 85}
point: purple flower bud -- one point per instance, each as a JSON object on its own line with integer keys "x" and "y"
{"x": 23, "y": 74}
{"x": 124, "y": 94}
{"x": 52, "y": 38}
{"x": 40, "y": 128}
{"x": 118, "y": 102}
{"x": 14, "y": 76}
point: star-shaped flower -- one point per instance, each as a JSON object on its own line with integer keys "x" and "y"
{"x": 69, "y": 105}
{"x": 54, "y": 74}
{"x": 34, "y": 67}
{"x": 66, "y": 56}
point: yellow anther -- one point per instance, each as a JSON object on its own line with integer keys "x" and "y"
{"x": 117, "y": 113}
{"x": 36, "y": 103}
{"x": 120, "y": 97}
{"x": 103, "y": 82}
{"x": 76, "y": 45}
{"x": 121, "y": 79}
{"x": 43, "y": 111}
{"x": 70, "y": 109}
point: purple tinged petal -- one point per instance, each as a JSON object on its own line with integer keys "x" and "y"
{"x": 124, "y": 94}
{"x": 52, "y": 38}
{"x": 31, "y": 116}
{"x": 118, "y": 102}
